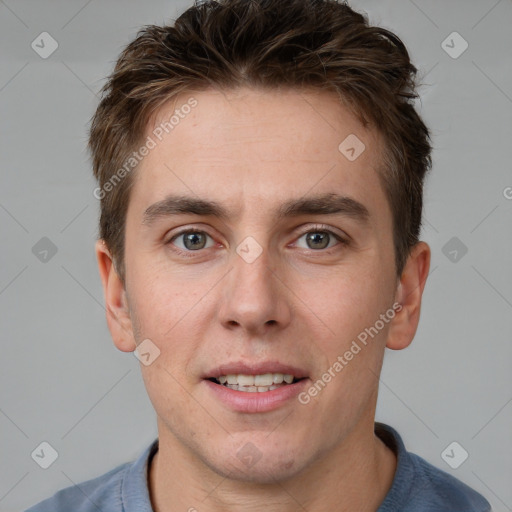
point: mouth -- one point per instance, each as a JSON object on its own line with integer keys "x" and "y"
{"x": 260, "y": 383}
{"x": 255, "y": 388}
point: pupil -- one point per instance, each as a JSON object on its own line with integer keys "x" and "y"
{"x": 193, "y": 239}
{"x": 317, "y": 238}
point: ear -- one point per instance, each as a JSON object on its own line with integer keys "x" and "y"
{"x": 408, "y": 295}
{"x": 118, "y": 314}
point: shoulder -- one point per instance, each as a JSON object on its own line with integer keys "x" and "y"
{"x": 100, "y": 493}
{"x": 121, "y": 489}
{"x": 421, "y": 486}
{"x": 436, "y": 490}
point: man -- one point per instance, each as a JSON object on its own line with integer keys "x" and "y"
{"x": 260, "y": 169}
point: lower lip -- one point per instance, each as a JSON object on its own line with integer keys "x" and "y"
{"x": 258, "y": 401}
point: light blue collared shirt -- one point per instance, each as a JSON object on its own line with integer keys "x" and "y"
{"x": 418, "y": 486}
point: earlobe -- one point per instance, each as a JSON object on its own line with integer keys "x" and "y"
{"x": 118, "y": 313}
{"x": 408, "y": 294}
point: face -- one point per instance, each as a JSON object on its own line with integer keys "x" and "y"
{"x": 298, "y": 265}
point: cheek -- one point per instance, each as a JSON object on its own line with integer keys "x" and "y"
{"x": 159, "y": 302}
{"x": 165, "y": 389}
{"x": 354, "y": 300}
{"x": 173, "y": 315}
{"x": 156, "y": 316}
{"x": 354, "y": 304}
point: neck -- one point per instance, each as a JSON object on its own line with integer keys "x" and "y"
{"x": 355, "y": 475}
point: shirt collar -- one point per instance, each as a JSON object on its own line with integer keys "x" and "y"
{"x": 135, "y": 488}
{"x": 403, "y": 484}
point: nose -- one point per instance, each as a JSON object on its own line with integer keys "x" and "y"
{"x": 255, "y": 298}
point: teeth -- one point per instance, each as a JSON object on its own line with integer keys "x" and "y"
{"x": 278, "y": 378}
{"x": 254, "y": 389}
{"x": 254, "y": 383}
{"x": 263, "y": 380}
{"x": 245, "y": 380}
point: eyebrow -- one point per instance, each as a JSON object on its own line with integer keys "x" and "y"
{"x": 325, "y": 204}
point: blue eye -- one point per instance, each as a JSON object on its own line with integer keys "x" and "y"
{"x": 193, "y": 240}
{"x": 320, "y": 239}
{"x": 317, "y": 239}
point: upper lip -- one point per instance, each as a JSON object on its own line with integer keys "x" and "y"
{"x": 254, "y": 369}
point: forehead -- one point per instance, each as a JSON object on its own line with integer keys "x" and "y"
{"x": 247, "y": 146}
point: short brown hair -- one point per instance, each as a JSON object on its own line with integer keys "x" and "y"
{"x": 269, "y": 44}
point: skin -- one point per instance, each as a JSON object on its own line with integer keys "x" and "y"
{"x": 251, "y": 151}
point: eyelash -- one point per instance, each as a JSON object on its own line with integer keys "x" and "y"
{"x": 319, "y": 228}
{"x": 322, "y": 228}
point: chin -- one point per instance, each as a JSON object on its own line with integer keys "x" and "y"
{"x": 249, "y": 465}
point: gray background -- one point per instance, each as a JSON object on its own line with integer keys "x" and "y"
{"x": 63, "y": 381}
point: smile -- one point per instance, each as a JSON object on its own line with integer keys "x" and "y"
{"x": 255, "y": 383}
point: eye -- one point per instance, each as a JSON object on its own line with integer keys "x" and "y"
{"x": 192, "y": 239}
{"x": 319, "y": 238}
